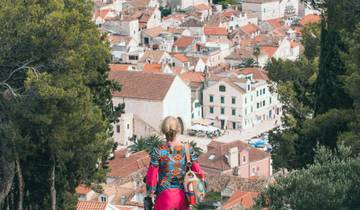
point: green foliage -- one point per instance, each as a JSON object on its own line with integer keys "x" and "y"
{"x": 145, "y": 143}
{"x": 59, "y": 121}
{"x": 320, "y": 91}
{"x": 332, "y": 182}
{"x": 165, "y": 11}
{"x": 63, "y": 110}
{"x": 311, "y": 40}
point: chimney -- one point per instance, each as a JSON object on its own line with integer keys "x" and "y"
{"x": 233, "y": 157}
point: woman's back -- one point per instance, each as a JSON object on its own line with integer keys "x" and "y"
{"x": 172, "y": 165}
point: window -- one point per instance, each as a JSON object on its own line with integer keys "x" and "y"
{"x": 244, "y": 158}
{"x": 257, "y": 105}
{"x": 222, "y": 99}
{"x": 102, "y": 198}
{"x": 211, "y": 109}
{"x": 245, "y": 100}
{"x": 264, "y": 103}
{"x": 248, "y": 87}
{"x": 252, "y": 110}
{"x": 211, "y": 98}
{"x": 222, "y": 110}
{"x": 222, "y": 88}
{"x": 128, "y": 126}
{"x": 118, "y": 128}
{"x": 264, "y": 91}
{"x": 233, "y": 112}
{"x": 234, "y": 125}
{"x": 270, "y": 100}
{"x": 192, "y": 115}
{"x": 252, "y": 97}
{"x": 233, "y": 100}
{"x": 257, "y": 93}
{"x": 245, "y": 111}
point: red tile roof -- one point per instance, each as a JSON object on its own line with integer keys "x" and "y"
{"x": 219, "y": 149}
{"x": 202, "y": 6}
{"x": 119, "y": 67}
{"x": 310, "y": 19}
{"x": 82, "y": 189}
{"x": 215, "y": 31}
{"x": 192, "y": 76}
{"x": 181, "y": 57}
{"x": 184, "y": 41}
{"x": 269, "y": 50}
{"x": 142, "y": 85}
{"x": 258, "y": 74}
{"x": 276, "y": 23}
{"x": 101, "y": 13}
{"x": 153, "y": 32}
{"x": 250, "y": 28}
{"x": 152, "y": 67}
{"x": 176, "y": 70}
{"x": 245, "y": 199}
{"x": 123, "y": 166}
{"x": 91, "y": 205}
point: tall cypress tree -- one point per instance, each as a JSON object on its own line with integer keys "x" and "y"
{"x": 329, "y": 89}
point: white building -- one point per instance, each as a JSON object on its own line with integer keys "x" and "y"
{"x": 271, "y": 9}
{"x": 239, "y": 100}
{"x": 153, "y": 96}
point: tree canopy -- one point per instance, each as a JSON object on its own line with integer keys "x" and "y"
{"x": 331, "y": 182}
{"x": 55, "y": 106}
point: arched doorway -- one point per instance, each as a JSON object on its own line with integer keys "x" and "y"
{"x": 181, "y": 125}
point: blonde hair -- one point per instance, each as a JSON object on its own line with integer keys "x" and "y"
{"x": 170, "y": 127}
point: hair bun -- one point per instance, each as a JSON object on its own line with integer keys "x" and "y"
{"x": 170, "y": 127}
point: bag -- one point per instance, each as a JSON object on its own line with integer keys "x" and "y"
{"x": 195, "y": 188}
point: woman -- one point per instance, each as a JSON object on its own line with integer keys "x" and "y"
{"x": 165, "y": 177}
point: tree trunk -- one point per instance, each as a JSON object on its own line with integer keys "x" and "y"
{"x": 20, "y": 182}
{"x": 52, "y": 187}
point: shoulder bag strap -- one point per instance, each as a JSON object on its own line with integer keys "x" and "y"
{"x": 188, "y": 158}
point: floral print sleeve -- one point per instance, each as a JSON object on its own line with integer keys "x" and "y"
{"x": 153, "y": 172}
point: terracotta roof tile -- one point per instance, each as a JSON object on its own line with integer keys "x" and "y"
{"x": 258, "y": 74}
{"x": 119, "y": 67}
{"x": 269, "y": 50}
{"x": 219, "y": 149}
{"x": 123, "y": 166}
{"x": 307, "y": 19}
{"x": 276, "y": 23}
{"x": 154, "y": 55}
{"x": 152, "y": 67}
{"x": 184, "y": 41}
{"x": 202, "y": 6}
{"x": 215, "y": 31}
{"x": 192, "y": 77}
{"x": 245, "y": 199}
{"x": 91, "y": 205}
{"x": 142, "y": 85}
{"x": 181, "y": 57}
{"x": 177, "y": 70}
{"x": 82, "y": 189}
{"x": 154, "y": 32}
{"x": 250, "y": 28}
